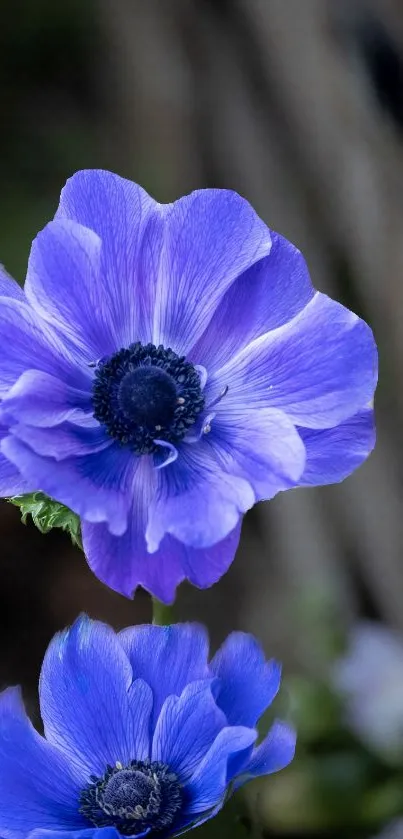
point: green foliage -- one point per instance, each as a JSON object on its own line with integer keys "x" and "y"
{"x": 47, "y": 514}
{"x": 233, "y": 822}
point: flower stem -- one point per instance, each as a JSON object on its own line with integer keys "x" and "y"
{"x": 163, "y": 615}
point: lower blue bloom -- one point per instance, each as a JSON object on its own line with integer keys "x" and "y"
{"x": 143, "y": 735}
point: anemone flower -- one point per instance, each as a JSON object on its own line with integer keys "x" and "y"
{"x": 166, "y": 367}
{"x": 143, "y": 736}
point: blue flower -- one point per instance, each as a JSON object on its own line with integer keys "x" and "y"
{"x": 167, "y": 367}
{"x": 143, "y": 736}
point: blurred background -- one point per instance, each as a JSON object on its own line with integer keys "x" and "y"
{"x": 297, "y": 105}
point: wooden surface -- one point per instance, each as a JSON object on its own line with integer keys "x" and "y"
{"x": 284, "y": 101}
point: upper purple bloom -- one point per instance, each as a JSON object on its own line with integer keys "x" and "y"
{"x": 143, "y": 736}
{"x": 167, "y": 367}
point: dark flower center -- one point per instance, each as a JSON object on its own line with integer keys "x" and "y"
{"x": 133, "y": 798}
{"x": 146, "y": 393}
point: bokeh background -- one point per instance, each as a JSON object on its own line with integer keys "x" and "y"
{"x": 297, "y": 105}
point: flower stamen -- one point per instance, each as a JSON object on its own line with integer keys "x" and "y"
{"x": 144, "y": 392}
{"x": 141, "y": 796}
{"x": 219, "y": 397}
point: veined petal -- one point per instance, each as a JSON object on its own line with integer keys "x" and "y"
{"x": 209, "y": 783}
{"x": 63, "y": 285}
{"x": 119, "y": 561}
{"x": 85, "y": 703}
{"x": 41, "y": 399}
{"x": 186, "y": 728}
{"x": 9, "y": 287}
{"x": 263, "y": 447}
{"x": 127, "y": 220}
{"x": 334, "y": 453}
{"x": 94, "y": 485}
{"x": 123, "y": 562}
{"x": 11, "y": 480}
{"x": 319, "y": 369}
{"x": 247, "y": 682}
{"x": 204, "y": 566}
{"x": 28, "y": 342}
{"x": 167, "y": 657}
{"x": 274, "y": 753}
{"x": 264, "y": 297}
{"x": 64, "y": 441}
{"x": 196, "y": 501}
{"x": 39, "y": 787}
{"x": 85, "y": 833}
{"x": 141, "y": 703}
{"x": 211, "y": 236}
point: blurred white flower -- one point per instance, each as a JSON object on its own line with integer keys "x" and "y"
{"x": 370, "y": 678}
{"x": 394, "y": 830}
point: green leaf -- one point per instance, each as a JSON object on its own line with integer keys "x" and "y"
{"x": 47, "y": 514}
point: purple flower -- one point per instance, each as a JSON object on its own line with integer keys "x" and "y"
{"x": 143, "y": 736}
{"x": 167, "y": 367}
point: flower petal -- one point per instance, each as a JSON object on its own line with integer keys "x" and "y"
{"x": 64, "y": 441}
{"x": 40, "y": 399}
{"x": 320, "y": 368}
{"x": 141, "y": 702}
{"x": 208, "y": 785}
{"x": 28, "y": 342}
{"x": 85, "y": 833}
{"x": 167, "y": 657}
{"x": 204, "y": 566}
{"x": 123, "y": 562}
{"x": 248, "y": 683}
{"x": 264, "y": 297}
{"x": 11, "y": 481}
{"x": 39, "y": 787}
{"x": 9, "y": 287}
{"x": 196, "y": 502}
{"x": 274, "y": 753}
{"x": 63, "y": 285}
{"x": 84, "y": 695}
{"x": 211, "y": 236}
{"x": 128, "y": 221}
{"x": 262, "y": 447}
{"x": 334, "y": 453}
{"x": 94, "y": 485}
{"x": 186, "y": 728}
